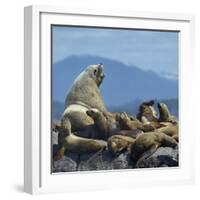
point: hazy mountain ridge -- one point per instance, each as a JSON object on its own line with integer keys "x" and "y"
{"x": 131, "y": 107}
{"x": 57, "y": 110}
{"x": 121, "y": 84}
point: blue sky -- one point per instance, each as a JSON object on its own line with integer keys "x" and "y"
{"x": 148, "y": 50}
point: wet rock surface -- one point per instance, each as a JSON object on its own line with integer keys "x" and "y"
{"x": 65, "y": 164}
{"x": 162, "y": 157}
{"x": 103, "y": 160}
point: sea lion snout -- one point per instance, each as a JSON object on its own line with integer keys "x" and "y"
{"x": 101, "y": 65}
{"x": 101, "y": 73}
{"x": 102, "y": 76}
{"x": 90, "y": 112}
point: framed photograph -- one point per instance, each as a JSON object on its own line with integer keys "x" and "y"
{"x": 107, "y": 99}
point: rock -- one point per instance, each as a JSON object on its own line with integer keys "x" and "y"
{"x": 122, "y": 161}
{"x": 162, "y": 157}
{"x": 94, "y": 162}
{"x": 54, "y": 137}
{"x": 65, "y": 164}
{"x": 74, "y": 156}
{"x": 55, "y": 149}
{"x": 104, "y": 161}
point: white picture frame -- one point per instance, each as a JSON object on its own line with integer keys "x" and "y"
{"x": 37, "y": 153}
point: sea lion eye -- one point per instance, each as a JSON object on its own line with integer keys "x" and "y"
{"x": 95, "y": 72}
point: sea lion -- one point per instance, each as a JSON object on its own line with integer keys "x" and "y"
{"x": 118, "y": 143}
{"x": 170, "y": 121}
{"x": 107, "y": 124}
{"x": 130, "y": 133}
{"x": 127, "y": 123}
{"x": 83, "y": 95}
{"x": 69, "y": 142}
{"x": 130, "y": 123}
{"x": 170, "y": 130}
{"x": 149, "y": 117}
{"x": 103, "y": 121}
{"x": 147, "y": 111}
{"x": 150, "y": 141}
{"x": 165, "y": 115}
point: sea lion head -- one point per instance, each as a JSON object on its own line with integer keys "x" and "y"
{"x": 165, "y": 115}
{"x": 123, "y": 120}
{"x": 146, "y": 109}
{"x": 122, "y": 117}
{"x": 116, "y": 145}
{"x": 96, "y": 73}
{"x": 93, "y": 113}
{"x": 164, "y": 112}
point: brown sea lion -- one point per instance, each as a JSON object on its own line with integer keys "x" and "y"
{"x": 107, "y": 125}
{"x": 147, "y": 111}
{"x": 165, "y": 115}
{"x": 170, "y": 121}
{"x": 103, "y": 121}
{"x": 119, "y": 143}
{"x": 69, "y": 142}
{"x": 150, "y": 141}
{"x": 170, "y": 130}
{"x": 127, "y": 123}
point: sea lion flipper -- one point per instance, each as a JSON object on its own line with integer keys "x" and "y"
{"x": 146, "y": 155}
{"x": 59, "y": 154}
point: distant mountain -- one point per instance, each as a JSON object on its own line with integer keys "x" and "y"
{"x": 168, "y": 75}
{"x": 57, "y": 110}
{"x": 131, "y": 107}
{"x": 122, "y": 83}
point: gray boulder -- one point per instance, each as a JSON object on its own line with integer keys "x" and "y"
{"x": 65, "y": 164}
{"x": 162, "y": 157}
{"x": 54, "y": 137}
{"x": 104, "y": 161}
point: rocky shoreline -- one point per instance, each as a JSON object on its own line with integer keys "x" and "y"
{"x": 103, "y": 160}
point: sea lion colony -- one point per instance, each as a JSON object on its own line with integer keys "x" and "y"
{"x": 86, "y": 112}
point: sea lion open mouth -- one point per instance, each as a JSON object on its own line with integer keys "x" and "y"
{"x": 159, "y": 106}
{"x": 100, "y": 74}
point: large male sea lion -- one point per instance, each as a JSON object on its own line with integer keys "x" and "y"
{"x": 83, "y": 95}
